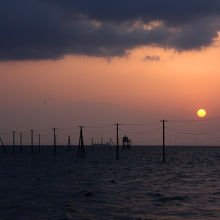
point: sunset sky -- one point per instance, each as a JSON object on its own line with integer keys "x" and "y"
{"x": 66, "y": 63}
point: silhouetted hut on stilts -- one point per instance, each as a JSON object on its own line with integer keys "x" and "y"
{"x": 126, "y": 143}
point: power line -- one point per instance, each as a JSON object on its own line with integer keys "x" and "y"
{"x": 139, "y": 124}
{"x": 97, "y": 127}
{"x": 141, "y": 133}
{"x": 190, "y": 133}
{"x": 195, "y": 120}
{"x": 215, "y": 129}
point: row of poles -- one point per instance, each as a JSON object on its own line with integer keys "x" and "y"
{"x": 81, "y": 148}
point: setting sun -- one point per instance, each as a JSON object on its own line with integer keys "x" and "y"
{"x": 201, "y": 113}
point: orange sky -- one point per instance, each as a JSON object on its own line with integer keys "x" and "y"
{"x": 174, "y": 87}
{"x": 183, "y": 79}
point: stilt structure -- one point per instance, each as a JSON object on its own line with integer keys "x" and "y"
{"x": 81, "y": 148}
{"x": 126, "y": 143}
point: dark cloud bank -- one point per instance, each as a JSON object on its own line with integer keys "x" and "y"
{"x": 51, "y": 29}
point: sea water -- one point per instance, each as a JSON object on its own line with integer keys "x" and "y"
{"x": 137, "y": 186}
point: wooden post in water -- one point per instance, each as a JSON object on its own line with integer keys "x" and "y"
{"x": 92, "y": 144}
{"x": 13, "y": 134}
{"x": 54, "y": 141}
{"x": 32, "y": 141}
{"x": 39, "y": 142}
{"x": 20, "y": 141}
{"x": 69, "y": 144}
{"x": 81, "y": 148}
{"x": 164, "y": 143}
{"x": 117, "y": 142}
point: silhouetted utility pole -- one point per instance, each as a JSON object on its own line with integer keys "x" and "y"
{"x": 21, "y": 141}
{"x": 81, "y": 148}
{"x": 3, "y": 145}
{"x": 110, "y": 142}
{"x": 13, "y": 134}
{"x": 68, "y": 144}
{"x": 117, "y": 141}
{"x": 32, "y": 141}
{"x": 39, "y": 141}
{"x": 163, "y": 121}
{"x": 54, "y": 141}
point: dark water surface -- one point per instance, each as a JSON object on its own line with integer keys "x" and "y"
{"x": 137, "y": 186}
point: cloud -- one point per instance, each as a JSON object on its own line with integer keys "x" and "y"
{"x": 152, "y": 58}
{"x": 52, "y": 29}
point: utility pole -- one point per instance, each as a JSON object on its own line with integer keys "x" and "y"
{"x": 81, "y": 149}
{"x": 13, "y": 134}
{"x": 32, "y": 141}
{"x": 3, "y": 145}
{"x": 54, "y": 141}
{"x": 163, "y": 122}
{"x": 117, "y": 141}
{"x": 39, "y": 141}
{"x": 21, "y": 141}
{"x": 92, "y": 144}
